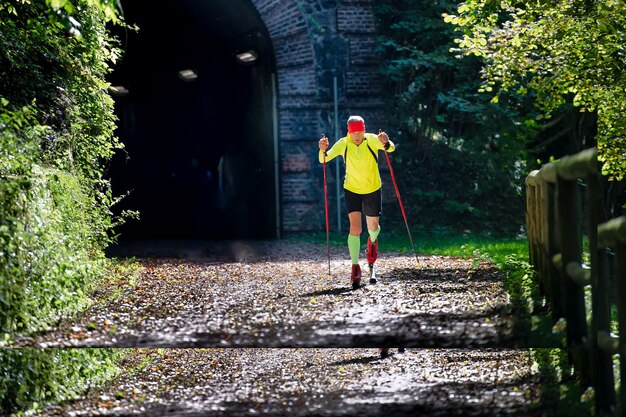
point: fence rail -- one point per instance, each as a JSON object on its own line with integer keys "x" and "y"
{"x": 559, "y": 198}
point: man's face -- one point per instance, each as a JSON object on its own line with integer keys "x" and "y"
{"x": 357, "y": 137}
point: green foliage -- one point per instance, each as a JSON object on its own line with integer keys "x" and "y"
{"x": 559, "y": 387}
{"x": 562, "y": 52}
{"x": 461, "y": 157}
{"x": 49, "y": 257}
{"x": 522, "y": 283}
{"x": 56, "y": 132}
{"x": 460, "y": 190}
{"x": 56, "y": 62}
{"x": 30, "y": 378}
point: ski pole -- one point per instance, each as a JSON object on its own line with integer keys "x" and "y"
{"x": 326, "y": 211}
{"x": 406, "y": 223}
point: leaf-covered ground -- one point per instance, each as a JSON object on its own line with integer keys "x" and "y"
{"x": 295, "y": 382}
{"x": 279, "y": 294}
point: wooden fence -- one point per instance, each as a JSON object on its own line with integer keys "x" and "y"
{"x": 562, "y": 201}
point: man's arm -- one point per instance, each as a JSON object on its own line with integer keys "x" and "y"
{"x": 382, "y": 142}
{"x": 336, "y": 150}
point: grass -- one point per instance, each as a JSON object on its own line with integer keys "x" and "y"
{"x": 443, "y": 245}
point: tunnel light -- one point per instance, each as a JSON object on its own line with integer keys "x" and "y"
{"x": 187, "y": 75}
{"x": 248, "y": 56}
{"x": 118, "y": 90}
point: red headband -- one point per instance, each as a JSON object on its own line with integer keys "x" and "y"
{"x": 356, "y": 126}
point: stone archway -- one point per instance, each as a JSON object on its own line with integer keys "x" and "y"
{"x": 315, "y": 41}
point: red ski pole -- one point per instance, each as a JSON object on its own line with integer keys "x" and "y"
{"x": 406, "y": 223}
{"x": 326, "y": 211}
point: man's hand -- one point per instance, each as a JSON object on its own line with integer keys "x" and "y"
{"x": 323, "y": 142}
{"x": 383, "y": 137}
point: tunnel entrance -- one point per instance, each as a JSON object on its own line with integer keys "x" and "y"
{"x": 194, "y": 97}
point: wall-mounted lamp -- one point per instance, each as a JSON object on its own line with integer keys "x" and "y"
{"x": 187, "y": 75}
{"x": 248, "y": 56}
{"x": 118, "y": 90}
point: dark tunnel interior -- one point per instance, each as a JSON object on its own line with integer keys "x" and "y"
{"x": 196, "y": 121}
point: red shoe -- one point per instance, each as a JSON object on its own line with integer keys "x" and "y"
{"x": 355, "y": 279}
{"x": 372, "y": 250}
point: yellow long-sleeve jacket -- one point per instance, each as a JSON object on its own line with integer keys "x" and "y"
{"x": 362, "y": 176}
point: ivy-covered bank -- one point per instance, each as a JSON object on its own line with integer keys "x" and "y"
{"x": 56, "y": 134}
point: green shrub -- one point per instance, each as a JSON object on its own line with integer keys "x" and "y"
{"x": 49, "y": 258}
{"x": 56, "y": 134}
{"x": 459, "y": 190}
{"x": 30, "y": 378}
{"x": 461, "y": 158}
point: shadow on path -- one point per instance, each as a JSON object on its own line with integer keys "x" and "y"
{"x": 278, "y": 294}
{"x": 319, "y": 382}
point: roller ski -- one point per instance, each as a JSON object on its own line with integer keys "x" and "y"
{"x": 372, "y": 255}
{"x": 372, "y": 274}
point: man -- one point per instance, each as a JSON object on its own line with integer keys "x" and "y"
{"x": 362, "y": 187}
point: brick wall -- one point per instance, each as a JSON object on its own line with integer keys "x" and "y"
{"x": 314, "y": 41}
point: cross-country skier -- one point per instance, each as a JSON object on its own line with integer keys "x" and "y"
{"x": 362, "y": 187}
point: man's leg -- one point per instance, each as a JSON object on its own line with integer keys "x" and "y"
{"x": 354, "y": 246}
{"x": 373, "y": 228}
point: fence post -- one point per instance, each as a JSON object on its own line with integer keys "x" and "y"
{"x": 613, "y": 234}
{"x": 534, "y": 226}
{"x": 602, "y": 370}
{"x": 620, "y": 274}
{"x": 549, "y": 225}
{"x": 571, "y": 248}
{"x": 551, "y": 222}
{"x": 531, "y": 216}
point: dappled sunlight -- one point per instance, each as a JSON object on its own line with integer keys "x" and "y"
{"x": 282, "y": 296}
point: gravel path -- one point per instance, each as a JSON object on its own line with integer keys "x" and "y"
{"x": 298, "y": 382}
{"x": 279, "y": 294}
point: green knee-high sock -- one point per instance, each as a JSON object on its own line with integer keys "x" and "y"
{"x": 374, "y": 234}
{"x": 354, "y": 245}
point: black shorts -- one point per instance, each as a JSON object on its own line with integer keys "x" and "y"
{"x": 369, "y": 204}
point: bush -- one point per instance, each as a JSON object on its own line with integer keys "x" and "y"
{"x": 461, "y": 157}
{"x": 32, "y": 377}
{"x": 49, "y": 260}
{"x": 56, "y": 133}
{"x": 448, "y": 191}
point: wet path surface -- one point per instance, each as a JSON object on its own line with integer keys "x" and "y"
{"x": 296, "y": 382}
{"x": 279, "y": 294}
